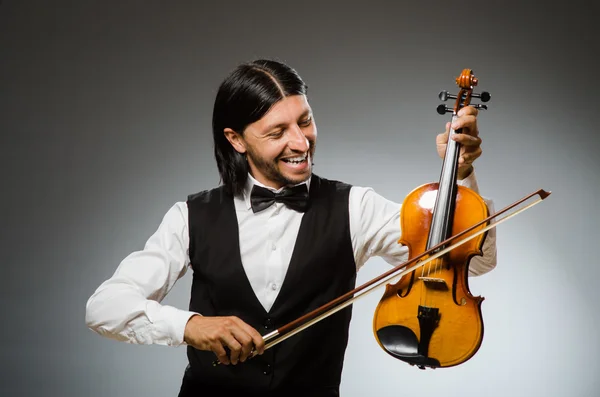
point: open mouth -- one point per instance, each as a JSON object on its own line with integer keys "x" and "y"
{"x": 296, "y": 160}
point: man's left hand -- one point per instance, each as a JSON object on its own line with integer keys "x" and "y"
{"x": 470, "y": 142}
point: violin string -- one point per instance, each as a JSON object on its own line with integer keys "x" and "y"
{"x": 436, "y": 267}
{"x": 436, "y": 273}
{"x": 431, "y": 302}
{"x": 438, "y": 264}
{"x": 422, "y": 294}
{"x": 427, "y": 303}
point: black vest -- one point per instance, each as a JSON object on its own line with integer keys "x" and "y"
{"x": 321, "y": 269}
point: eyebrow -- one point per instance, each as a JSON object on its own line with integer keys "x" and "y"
{"x": 281, "y": 125}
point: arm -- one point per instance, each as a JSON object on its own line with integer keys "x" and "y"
{"x": 127, "y": 306}
{"x": 375, "y": 230}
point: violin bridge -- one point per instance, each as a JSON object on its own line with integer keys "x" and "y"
{"x": 438, "y": 284}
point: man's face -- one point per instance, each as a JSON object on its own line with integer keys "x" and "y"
{"x": 280, "y": 146}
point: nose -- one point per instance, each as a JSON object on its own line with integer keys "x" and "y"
{"x": 297, "y": 140}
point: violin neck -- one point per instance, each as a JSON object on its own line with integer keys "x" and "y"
{"x": 443, "y": 212}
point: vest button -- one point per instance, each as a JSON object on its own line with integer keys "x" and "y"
{"x": 268, "y": 323}
{"x": 267, "y": 370}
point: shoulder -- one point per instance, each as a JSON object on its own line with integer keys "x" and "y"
{"x": 364, "y": 197}
{"x": 330, "y": 185}
{"x": 358, "y": 195}
{"x": 206, "y": 196}
{"x": 175, "y": 219}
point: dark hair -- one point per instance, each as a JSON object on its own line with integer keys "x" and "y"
{"x": 244, "y": 97}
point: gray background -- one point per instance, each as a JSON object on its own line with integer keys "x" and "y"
{"x": 105, "y": 118}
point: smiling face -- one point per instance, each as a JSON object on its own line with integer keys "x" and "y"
{"x": 280, "y": 146}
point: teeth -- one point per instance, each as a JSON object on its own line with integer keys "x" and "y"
{"x": 296, "y": 159}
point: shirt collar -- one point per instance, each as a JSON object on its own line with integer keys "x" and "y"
{"x": 250, "y": 182}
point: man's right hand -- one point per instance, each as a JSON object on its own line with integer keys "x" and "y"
{"x": 216, "y": 333}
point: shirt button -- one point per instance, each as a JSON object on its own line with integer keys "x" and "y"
{"x": 273, "y": 247}
{"x": 273, "y": 286}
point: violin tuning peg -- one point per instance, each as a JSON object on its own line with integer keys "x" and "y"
{"x": 484, "y": 96}
{"x": 445, "y": 95}
{"x": 443, "y": 109}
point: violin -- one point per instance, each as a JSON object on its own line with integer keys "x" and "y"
{"x": 429, "y": 318}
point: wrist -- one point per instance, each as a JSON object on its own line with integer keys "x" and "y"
{"x": 465, "y": 172}
{"x": 188, "y": 329}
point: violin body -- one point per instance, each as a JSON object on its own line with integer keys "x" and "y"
{"x": 429, "y": 318}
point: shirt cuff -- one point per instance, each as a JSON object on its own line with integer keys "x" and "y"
{"x": 169, "y": 328}
{"x": 470, "y": 182}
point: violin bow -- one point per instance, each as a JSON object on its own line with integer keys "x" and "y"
{"x": 279, "y": 335}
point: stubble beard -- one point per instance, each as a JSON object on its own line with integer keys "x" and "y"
{"x": 270, "y": 168}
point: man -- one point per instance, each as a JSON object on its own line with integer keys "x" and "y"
{"x": 260, "y": 263}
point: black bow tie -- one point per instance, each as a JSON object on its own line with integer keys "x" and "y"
{"x": 295, "y": 198}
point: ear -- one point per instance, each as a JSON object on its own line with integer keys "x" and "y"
{"x": 235, "y": 139}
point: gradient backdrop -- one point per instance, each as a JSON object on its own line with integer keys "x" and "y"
{"x": 105, "y": 118}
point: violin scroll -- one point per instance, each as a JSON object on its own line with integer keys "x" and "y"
{"x": 466, "y": 81}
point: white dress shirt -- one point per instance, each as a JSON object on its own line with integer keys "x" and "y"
{"x": 127, "y": 306}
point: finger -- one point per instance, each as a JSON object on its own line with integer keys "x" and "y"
{"x": 467, "y": 140}
{"x": 245, "y": 341}
{"x": 468, "y": 125}
{"x": 467, "y": 110}
{"x": 469, "y": 157}
{"x": 442, "y": 139}
{"x": 234, "y": 347}
{"x": 444, "y": 135}
{"x": 220, "y": 352}
{"x": 259, "y": 343}
{"x": 256, "y": 341}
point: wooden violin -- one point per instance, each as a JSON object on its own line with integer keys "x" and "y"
{"x": 429, "y": 318}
